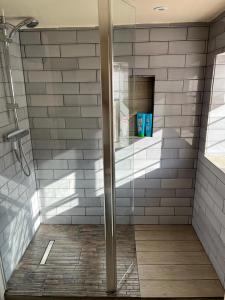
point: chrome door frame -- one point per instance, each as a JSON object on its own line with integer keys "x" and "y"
{"x": 3, "y": 284}
{"x": 105, "y": 29}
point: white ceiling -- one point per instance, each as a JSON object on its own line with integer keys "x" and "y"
{"x": 69, "y": 13}
{"x": 178, "y": 10}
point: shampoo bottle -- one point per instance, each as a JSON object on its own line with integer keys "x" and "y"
{"x": 141, "y": 124}
{"x": 148, "y": 124}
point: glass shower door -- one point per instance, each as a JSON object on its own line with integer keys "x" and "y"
{"x": 116, "y": 23}
{"x": 123, "y": 19}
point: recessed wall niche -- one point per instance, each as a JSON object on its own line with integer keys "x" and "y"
{"x": 141, "y": 94}
{"x": 132, "y": 94}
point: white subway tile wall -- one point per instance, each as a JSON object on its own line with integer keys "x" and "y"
{"x": 62, "y": 83}
{"x": 19, "y": 207}
{"x": 209, "y": 200}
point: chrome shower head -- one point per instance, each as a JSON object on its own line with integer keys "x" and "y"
{"x": 32, "y": 23}
{"x": 28, "y": 22}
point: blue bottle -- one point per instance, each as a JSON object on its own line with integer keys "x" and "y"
{"x": 148, "y": 124}
{"x": 141, "y": 124}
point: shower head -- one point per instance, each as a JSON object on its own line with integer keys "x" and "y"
{"x": 28, "y": 22}
{"x": 31, "y": 23}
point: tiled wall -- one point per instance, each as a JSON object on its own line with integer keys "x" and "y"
{"x": 209, "y": 209}
{"x": 62, "y": 84}
{"x": 19, "y": 210}
{"x": 164, "y": 166}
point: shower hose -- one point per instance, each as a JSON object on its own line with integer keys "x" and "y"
{"x": 20, "y": 156}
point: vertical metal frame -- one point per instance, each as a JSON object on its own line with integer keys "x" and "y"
{"x": 105, "y": 28}
{"x": 2, "y": 280}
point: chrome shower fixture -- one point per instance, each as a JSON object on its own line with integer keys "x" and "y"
{"x": 29, "y": 22}
{"x": 7, "y": 32}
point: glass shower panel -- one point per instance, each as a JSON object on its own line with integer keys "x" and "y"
{"x": 123, "y": 15}
{"x": 117, "y": 28}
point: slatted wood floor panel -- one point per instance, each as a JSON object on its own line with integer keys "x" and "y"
{"x": 76, "y": 263}
{"x": 172, "y": 263}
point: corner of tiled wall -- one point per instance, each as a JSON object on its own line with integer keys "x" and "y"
{"x": 19, "y": 207}
{"x": 62, "y": 83}
{"x": 209, "y": 212}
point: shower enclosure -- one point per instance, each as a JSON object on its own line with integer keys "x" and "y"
{"x": 89, "y": 205}
{"x": 68, "y": 160}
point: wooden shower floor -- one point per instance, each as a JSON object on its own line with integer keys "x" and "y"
{"x": 170, "y": 263}
{"x": 75, "y": 265}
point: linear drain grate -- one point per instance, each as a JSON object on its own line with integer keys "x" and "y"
{"x": 123, "y": 280}
{"x": 47, "y": 251}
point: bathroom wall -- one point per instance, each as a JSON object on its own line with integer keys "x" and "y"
{"x": 62, "y": 83}
{"x": 61, "y": 71}
{"x": 19, "y": 212}
{"x": 209, "y": 213}
{"x": 164, "y": 166}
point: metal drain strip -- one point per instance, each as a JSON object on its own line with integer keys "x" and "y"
{"x": 126, "y": 275}
{"x": 47, "y": 251}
